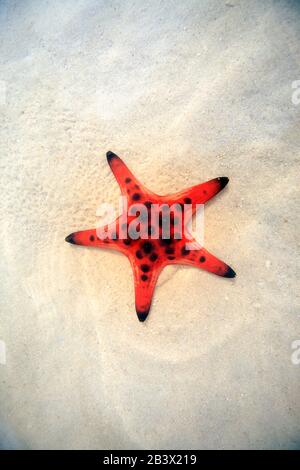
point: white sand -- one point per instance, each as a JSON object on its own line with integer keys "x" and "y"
{"x": 184, "y": 91}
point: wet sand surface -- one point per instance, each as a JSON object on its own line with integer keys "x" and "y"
{"x": 183, "y": 92}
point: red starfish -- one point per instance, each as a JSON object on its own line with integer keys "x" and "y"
{"x": 149, "y": 257}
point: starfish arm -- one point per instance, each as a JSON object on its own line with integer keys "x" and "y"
{"x": 90, "y": 238}
{"x": 129, "y": 184}
{"x": 200, "y": 193}
{"x": 201, "y": 258}
{"x": 144, "y": 285}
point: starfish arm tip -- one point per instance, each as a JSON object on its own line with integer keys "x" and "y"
{"x": 110, "y": 155}
{"x": 223, "y": 181}
{"x": 230, "y": 273}
{"x": 142, "y": 315}
{"x": 70, "y": 239}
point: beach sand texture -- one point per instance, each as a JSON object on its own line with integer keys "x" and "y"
{"x": 183, "y": 92}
